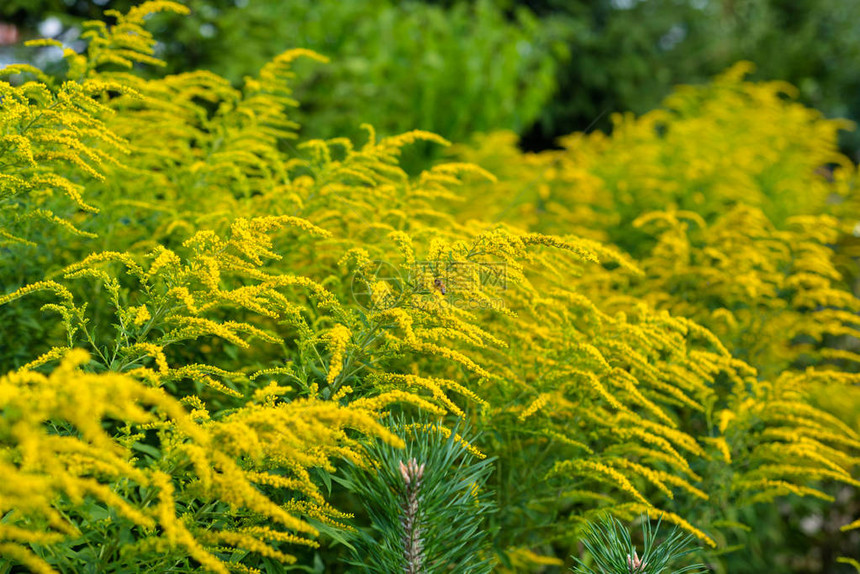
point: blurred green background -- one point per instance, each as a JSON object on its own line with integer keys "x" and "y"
{"x": 541, "y": 68}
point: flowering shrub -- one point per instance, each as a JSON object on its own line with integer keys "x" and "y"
{"x": 204, "y": 321}
{"x": 740, "y": 212}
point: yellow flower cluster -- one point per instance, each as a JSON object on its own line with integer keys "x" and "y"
{"x": 743, "y": 232}
{"x": 337, "y": 339}
{"x": 52, "y": 466}
{"x": 632, "y": 323}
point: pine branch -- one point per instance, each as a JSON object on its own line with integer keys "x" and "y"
{"x": 426, "y": 504}
{"x": 413, "y": 546}
{"x": 610, "y": 545}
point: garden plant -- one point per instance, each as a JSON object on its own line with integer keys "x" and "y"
{"x": 226, "y": 348}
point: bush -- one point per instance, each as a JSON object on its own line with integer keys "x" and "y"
{"x": 206, "y": 323}
{"x": 740, "y": 211}
{"x": 395, "y": 65}
{"x": 629, "y": 55}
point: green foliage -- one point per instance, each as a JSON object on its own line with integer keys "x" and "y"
{"x": 245, "y": 309}
{"x": 503, "y": 65}
{"x": 395, "y": 65}
{"x": 427, "y": 504}
{"x": 613, "y": 552}
{"x": 403, "y": 65}
{"x": 628, "y": 55}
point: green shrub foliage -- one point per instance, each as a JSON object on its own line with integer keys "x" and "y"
{"x": 207, "y": 319}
